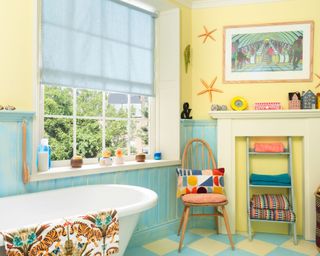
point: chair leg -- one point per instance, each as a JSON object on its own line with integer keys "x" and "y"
{"x": 226, "y": 221}
{"x": 215, "y": 210}
{"x": 181, "y": 221}
{"x": 185, "y": 222}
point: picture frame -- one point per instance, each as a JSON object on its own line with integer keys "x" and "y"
{"x": 268, "y": 53}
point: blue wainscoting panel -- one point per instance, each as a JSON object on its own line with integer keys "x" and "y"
{"x": 11, "y": 151}
{"x": 206, "y": 130}
{"x": 155, "y": 223}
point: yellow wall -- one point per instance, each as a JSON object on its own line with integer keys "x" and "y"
{"x": 16, "y": 63}
{"x": 16, "y": 28}
{"x": 185, "y": 39}
{"x": 207, "y": 58}
{"x": 186, "y": 77}
{"x": 16, "y": 53}
{"x": 206, "y": 63}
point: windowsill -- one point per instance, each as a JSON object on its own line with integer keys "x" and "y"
{"x": 90, "y": 169}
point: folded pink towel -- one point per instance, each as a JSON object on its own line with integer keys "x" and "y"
{"x": 268, "y": 147}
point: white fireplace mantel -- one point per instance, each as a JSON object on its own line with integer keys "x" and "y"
{"x": 302, "y": 123}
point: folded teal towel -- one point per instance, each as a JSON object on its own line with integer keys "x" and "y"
{"x": 262, "y": 179}
{"x": 268, "y": 183}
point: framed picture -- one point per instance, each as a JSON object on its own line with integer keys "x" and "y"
{"x": 268, "y": 53}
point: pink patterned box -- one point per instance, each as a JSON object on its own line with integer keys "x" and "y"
{"x": 267, "y": 106}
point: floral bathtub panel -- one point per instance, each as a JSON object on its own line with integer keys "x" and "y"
{"x": 93, "y": 234}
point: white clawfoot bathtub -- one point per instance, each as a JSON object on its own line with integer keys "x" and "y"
{"x": 35, "y": 208}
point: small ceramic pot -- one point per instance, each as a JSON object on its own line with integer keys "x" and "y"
{"x": 140, "y": 157}
{"x": 76, "y": 163}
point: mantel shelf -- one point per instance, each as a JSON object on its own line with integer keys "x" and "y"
{"x": 266, "y": 114}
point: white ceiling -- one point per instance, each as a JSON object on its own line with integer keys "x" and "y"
{"x": 217, "y": 3}
{"x": 152, "y": 5}
{"x": 163, "y": 5}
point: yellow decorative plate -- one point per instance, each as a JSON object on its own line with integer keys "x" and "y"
{"x": 238, "y": 103}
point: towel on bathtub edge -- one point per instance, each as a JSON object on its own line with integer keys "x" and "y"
{"x": 91, "y": 234}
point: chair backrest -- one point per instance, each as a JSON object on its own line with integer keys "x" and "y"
{"x": 197, "y": 155}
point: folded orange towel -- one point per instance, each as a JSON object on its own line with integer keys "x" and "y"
{"x": 268, "y": 147}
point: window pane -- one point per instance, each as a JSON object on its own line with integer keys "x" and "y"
{"x": 139, "y": 106}
{"x": 139, "y": 141}
{"x": 139, "y": 110}
{"x": 89, "y": 103}
{"x": 117, "y": 105}
{"x": 59, "y": 132}
{"x": 57, "y": 100}
{"x": 89, "y": 138}
{"x": 116, "y": 135}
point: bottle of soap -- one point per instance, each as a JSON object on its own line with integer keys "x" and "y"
{"x": 44, "y": 156}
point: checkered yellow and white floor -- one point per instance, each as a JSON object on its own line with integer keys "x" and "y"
{"x": 202, "y": 242}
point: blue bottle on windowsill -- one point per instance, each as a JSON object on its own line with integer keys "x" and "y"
{"x": 44, "y": 156}
{"x": 157, "y": 156}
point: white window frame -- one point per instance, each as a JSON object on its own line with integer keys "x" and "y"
{"x": 103, "y": 118}
{"x": 160, "y": 140}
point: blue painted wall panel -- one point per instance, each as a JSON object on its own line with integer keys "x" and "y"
{"x": 161, "y": 180}
{"x": 205, "y": 130}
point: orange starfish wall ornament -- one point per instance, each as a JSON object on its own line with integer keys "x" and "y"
{"x": 209, "y": 88}
{"x": 319, "y": 78}
{"x": 207, "y": 34}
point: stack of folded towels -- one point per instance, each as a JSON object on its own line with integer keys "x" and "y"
{"x": 271, "y": 207}
{"x": 271, "y": 180}
{"x": 269, "y": 147}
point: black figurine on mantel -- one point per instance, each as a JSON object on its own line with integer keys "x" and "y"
{"x": 185, "y": 114}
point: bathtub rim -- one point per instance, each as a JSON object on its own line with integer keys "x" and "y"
{"x": 151, "y": 198}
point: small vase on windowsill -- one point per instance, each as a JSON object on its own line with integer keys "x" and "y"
{"x": 141, "y": 157}
{"x": 118, "y": 159}
{"x": 106, "y": 159}
{"x": 76, "y": 162}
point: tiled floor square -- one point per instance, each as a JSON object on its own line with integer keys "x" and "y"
{"x": 224, "y": 238}
{"x": 256, "y": 246}
{"x": 236, "y": 252}
{"x": 188, "y": 238}
{"x": 279, "y": 251}
{"x": 208, "y": 246}
{"x": 202, "y": 231}
{"x": 205, "y": 242}
{"x": 139, "y": 251}
{"x": 185, "y": 252}
{"x": 163, "y": 246}
{"x": 303, "y": 246}
{"x": 272, "y": 238}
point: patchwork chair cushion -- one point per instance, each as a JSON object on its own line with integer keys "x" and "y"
{"x": 204, "y": 198}
{"x": 200, "y": 181}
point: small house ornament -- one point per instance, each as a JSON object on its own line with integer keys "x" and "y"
{"x": 294, "y": 100}
{"x": 308, "y": 100}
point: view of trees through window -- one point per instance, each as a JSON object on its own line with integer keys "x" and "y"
{"x": 84, "y": 122}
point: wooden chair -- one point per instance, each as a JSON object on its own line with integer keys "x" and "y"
{"x": 198, "y": 155}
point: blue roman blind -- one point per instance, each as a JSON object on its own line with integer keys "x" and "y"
{"x": 97, "y": 44}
